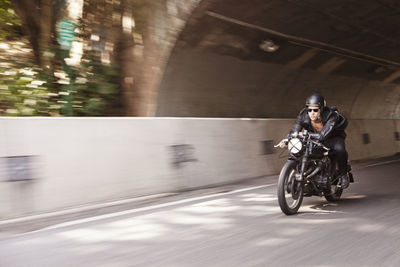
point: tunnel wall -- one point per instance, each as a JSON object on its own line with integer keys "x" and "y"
{"x": 79, "y": 161}
{"x": 201, "y": 84}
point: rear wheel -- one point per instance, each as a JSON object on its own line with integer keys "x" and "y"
{"x": 290, "y": 191}
{"x": 334, "y": 193}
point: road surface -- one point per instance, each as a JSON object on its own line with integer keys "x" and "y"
{"x": 238, "y": 225}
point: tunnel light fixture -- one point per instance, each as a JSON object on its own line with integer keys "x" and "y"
{"x": 269, "y": 46}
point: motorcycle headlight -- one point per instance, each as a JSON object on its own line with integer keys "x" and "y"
{"x": 295, "y": 145}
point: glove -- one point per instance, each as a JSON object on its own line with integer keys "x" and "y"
{"x": 282, "y": 144}
{"x": 315, "y": 136}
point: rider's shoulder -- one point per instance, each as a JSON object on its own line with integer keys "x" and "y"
{"x": 333, "y": 113}
{"x": 332, "y": 108}
{"x": 329, "y": 111}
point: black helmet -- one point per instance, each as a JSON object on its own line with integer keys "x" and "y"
{"x": 316, "y": 100}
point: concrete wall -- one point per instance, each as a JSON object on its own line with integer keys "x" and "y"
{"x": 80, "y": 161}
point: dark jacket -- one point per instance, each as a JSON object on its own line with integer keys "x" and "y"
{"x": 334, "y": 123}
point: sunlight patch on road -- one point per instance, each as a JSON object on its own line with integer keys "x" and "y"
{"x": 264, "y": 209}
{"x": 355, "y": 197}
{"x": 293, "y": 231}
{"x": 369, "y": 228}
{"x": 252, "y": 195}
{"x": 89, "y": 249}
{"x": 158, "y": 206}
{"x": 124, "y": 230}
{"x": 312, "y": 211}
{"x": 181, "y": 218}
{"x": 261, "y": 199}
{"x": 214, "y": 202}
{"x": 273, "y": 242}
{"x": 208, "y": 209}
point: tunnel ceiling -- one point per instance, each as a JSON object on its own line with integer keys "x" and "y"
{"x": 342, "y": 37}
{"x": 262, "y": 58}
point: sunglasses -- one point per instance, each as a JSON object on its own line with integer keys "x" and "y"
{"x": 313, "y": 109}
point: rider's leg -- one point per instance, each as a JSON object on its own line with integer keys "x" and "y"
{"x": 339, "y": 148}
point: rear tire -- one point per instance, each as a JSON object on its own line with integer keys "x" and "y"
{"x": 289, "y": 201}
{"x": 334, "y": 194}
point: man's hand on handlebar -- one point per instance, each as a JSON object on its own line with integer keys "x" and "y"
{"x": 315, "y": 136}
{"x": 282, "y": 144}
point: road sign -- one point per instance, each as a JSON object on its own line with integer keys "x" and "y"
{"x": 65, "y": 33}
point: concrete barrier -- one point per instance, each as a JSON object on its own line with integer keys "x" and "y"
{"x": 70, "y": 162}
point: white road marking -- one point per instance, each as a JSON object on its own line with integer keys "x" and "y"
{"x": 382, "y": 163}
{"x": 153, "y": 207}
{"x": 82, "y": 209}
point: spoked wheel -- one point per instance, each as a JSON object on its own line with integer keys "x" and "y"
{"x": 334, "y": 193}
{"x": 290, "y": 191}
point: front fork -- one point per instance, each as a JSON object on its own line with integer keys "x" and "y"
{"x": 296, "y": 187}
{"x": 303, "y": 167}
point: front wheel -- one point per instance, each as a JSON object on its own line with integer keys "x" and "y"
{"x": 290, "y": 191}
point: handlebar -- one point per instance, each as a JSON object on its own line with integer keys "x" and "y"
{"x": 314, "y": 135}
{"x": 321, "y": 145}
{"x": 283, "y": 141}
{"x": 305, "y": 134}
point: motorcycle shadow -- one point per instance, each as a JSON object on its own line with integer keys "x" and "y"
{"x": 313, "y": 206}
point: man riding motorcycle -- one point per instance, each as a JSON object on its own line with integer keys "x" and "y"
{"x": 316, "y": 117}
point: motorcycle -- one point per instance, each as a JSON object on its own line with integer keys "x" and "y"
{"x": 308, "y": 172}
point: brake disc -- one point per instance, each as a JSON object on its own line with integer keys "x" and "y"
{"x": 296, "y": 186}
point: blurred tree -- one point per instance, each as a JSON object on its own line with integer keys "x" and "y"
{"x": 10, "y": 25}
{"x": 124, "y": 44}
{"x": 95, "y": 86}
{"x": 135, "y": 35}
{"x": 96, "y": 77}
{"x": 25, "y": 92}
{"x": 136, "y": 53}
{"x": 38, "y": 24}
{"x": 144, "y": 49}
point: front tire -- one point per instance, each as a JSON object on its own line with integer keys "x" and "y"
{"x": 290, "y": 191}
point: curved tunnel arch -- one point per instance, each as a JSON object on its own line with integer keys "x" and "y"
{"x": 219, "y": 67}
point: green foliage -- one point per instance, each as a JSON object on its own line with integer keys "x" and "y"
{"x": 27, "y": 90}
{"x": 89, "y": 88}
{"x": 95, "y": 86}
{"x": 24, "y": 91}
{"x": 10, "y": 25}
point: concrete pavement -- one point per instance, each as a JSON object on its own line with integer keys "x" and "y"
{"x": 239, "y": 225}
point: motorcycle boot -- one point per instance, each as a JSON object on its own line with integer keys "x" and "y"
{"x": 351, "y": 177}
{"x": 344, "y": 181}
{"x": 349, "y": 173}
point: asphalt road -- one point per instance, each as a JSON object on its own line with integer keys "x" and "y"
{"x": 239, "y": 225}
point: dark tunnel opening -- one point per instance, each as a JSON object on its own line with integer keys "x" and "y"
{"x": 261, "y": 59}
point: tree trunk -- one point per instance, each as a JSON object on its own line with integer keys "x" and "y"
{"x": 36, "y": 17}
{"x": 46, "y": 19}
{"x": 125, "y": 60}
